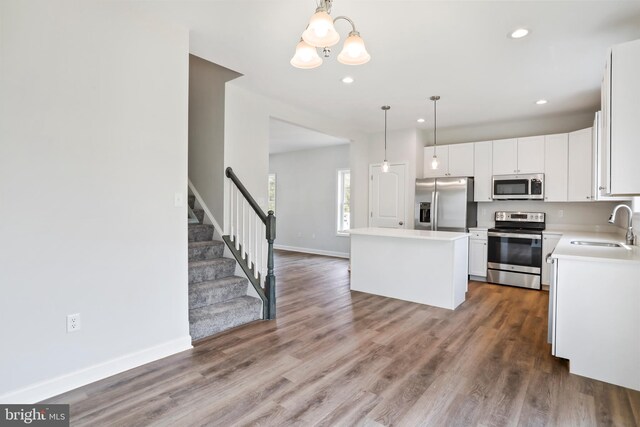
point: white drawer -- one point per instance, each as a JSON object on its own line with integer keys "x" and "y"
{"x": 478, "y": 235}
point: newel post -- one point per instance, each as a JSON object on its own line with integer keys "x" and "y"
{"x": 270, "y": 282}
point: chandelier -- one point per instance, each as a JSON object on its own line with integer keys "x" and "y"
{"x": 321, "y": 33}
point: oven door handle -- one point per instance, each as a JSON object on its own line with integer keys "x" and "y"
{"x": 518, "y": 236}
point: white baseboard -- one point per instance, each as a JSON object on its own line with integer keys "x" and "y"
{"x": 55, "y": 386}
{"x": 312, "y": 251}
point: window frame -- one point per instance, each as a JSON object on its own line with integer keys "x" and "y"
{"x": 275, "y": 192}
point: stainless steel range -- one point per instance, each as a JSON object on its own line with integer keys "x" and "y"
{"x": 514, "y": 253}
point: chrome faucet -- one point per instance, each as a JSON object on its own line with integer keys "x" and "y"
{"x": 612, "y": 218}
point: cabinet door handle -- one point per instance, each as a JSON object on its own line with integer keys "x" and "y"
{"x": 401, "y": 223}
{"x": 602, "y": 188}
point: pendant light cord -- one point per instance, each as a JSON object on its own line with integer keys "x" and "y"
{"x": 435, "y": 121}
{"x": 385, "y": 108}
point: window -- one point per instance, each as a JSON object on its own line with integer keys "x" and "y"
{"x": 344, "y": 197}
{"x": 271, "y": 191}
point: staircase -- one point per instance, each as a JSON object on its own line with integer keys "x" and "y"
{"x": 218, "y": 299}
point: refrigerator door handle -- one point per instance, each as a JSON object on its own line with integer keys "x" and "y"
{"x": 434, "y": 208}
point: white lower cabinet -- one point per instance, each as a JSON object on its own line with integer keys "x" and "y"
{"x": 478, "y": 254}
{"x": 549, "y": 243}
{"x": 596, "y": 319}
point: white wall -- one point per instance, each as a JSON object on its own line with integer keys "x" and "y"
{"x": 307, "y": 199}
{"x": 206, "y": 131}
{"x": 247, "y": 116}
{"x": 402, "y": 146}
{"x": 511, "y": 129}
{"x": 93, "y": 147}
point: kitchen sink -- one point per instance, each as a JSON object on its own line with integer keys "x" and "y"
{"x": 600, "y": 244}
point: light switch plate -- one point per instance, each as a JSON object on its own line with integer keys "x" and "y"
{"x": 178, "y": 200}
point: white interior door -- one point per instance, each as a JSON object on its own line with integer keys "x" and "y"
{"x": 387, "y": 196}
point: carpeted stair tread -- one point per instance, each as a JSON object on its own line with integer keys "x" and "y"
{"x": 216, "y": 291}
{"x": 200, "y": 232}
{"x": 199, "y": 213}
{"x": 207, "y": 249}
{"x": 214, "y": 318}
{"x": 211, "y": 269}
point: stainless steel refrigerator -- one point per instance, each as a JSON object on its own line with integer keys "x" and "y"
{"x": 445, "y": 204}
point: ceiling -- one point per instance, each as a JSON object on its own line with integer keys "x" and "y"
{"x": 456, "y": 49}
{"x": 285, "y": 137}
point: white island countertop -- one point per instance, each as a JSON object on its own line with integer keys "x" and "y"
{"x": 409, "y": 234}
{"x": 566, "y": 250}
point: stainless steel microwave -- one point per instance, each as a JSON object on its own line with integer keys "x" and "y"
{"x": 518, "y": 187}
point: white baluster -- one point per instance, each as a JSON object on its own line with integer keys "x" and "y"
{"x": 256, "y": 230}
{"x": 258, "y": 248}
{"x": 250, "y": 237}
{"x": 238, "y": 213}
{"x": 264, "y": 250}
{"x": 231, "y": 212}
{"x": 242, "y": 227}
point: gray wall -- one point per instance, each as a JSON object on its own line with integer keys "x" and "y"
{"x": 206, "y": 131}
{"x": 306, "y": 199}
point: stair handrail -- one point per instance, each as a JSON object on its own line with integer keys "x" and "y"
{"x": 268, "y": 293}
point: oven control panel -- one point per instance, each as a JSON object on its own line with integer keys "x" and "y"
{"x": 520, "y": 216}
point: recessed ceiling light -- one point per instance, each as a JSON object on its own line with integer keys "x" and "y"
{"x": 519, "y": 33}
{"x": 347, "y": 80}
{"x": 541, "y": 101}
{"x": 420, "y": 120}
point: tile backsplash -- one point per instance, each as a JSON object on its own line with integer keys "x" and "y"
{"x": 594, "y": 214}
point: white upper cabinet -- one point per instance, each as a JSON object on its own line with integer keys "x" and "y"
{"x": 580, "y": 170}
{"x": 461, "y": 159}
{"x": 556, "y": 158}
{"x": 453, "y": 160}
{"x": 483, "y": 169}
{"x": 505, "y": 156}
{"x": 531, "y": 154}
{"x": 518, "y": 155}
{"x": 621, "y": 124}
{"x": 601, "y": 162}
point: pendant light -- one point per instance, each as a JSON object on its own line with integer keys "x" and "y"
{"x": 434, "y": 161}
{"x": 385, "y": 164}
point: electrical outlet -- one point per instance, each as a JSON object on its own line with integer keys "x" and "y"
{"x": 73, "y": 322}
{"x": 561, "y": 213}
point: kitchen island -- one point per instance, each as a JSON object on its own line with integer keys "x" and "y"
{"x": 427, "y": 267}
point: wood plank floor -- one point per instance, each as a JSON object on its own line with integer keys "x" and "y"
{"x": 340, "y": 358}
